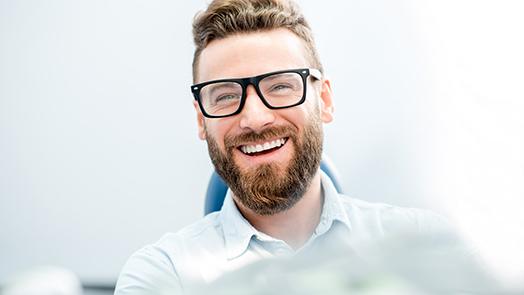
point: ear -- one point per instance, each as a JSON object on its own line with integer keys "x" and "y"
{"x": 326, "y": 102}
{"x": 200, "y": 121}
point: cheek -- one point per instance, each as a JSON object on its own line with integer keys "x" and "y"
{"x": 301, "y": 114}
{"x": 217, "y": 131}
{"x": 313, "y": 105}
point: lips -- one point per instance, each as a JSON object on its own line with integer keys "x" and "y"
{"x": 254, "y": 149}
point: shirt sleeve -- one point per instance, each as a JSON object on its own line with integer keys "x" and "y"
{"x": 148, "y": 271}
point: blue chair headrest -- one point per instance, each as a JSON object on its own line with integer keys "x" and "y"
{"x": 217, "y": 188}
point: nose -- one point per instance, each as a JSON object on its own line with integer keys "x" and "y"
{"x": 255, "y": 115}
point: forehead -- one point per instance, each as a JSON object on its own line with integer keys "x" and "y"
{"x": 251, "y": 54}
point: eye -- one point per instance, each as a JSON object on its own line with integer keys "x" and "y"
{"x": 226, "y": 97}
{"x": 280, "y": 87}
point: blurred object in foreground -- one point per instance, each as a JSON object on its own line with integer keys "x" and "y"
{"x": 48, "y": 280}
{"x": 403, "y": 264}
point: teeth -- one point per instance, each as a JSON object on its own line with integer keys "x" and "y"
{"x": 249, "y": 149}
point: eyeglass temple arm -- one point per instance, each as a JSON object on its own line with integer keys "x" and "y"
{"x": 315, "y": 73}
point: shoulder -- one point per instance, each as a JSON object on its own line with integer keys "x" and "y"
{"x": 152, "y": 268}
{"x": 390, "y": 219}
{"x": 201, "y": 230}
{"x": 188, "y": 242}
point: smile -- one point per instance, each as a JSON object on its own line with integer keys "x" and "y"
{"x": 266, "y": 146}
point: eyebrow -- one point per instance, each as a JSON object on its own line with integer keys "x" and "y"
{"x": 223, "y": 85}
{"x": 272, "y": 77}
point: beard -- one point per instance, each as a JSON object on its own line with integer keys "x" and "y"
{"x": 271, "y": 188}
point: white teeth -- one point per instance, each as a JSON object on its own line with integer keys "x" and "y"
{"x": 249, "y": 149}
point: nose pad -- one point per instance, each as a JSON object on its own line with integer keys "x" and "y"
{"x": 255, "y": 115}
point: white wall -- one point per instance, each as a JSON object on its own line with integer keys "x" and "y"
{"x": 98, "y": 146}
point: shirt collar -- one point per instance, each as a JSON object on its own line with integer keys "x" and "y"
{"x": 333, "y": 209}
{"x": 238, "y": 231}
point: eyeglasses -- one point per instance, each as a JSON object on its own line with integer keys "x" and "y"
{"x": 277, "y": 90}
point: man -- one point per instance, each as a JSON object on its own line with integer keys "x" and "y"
{"x": 261, "y": 99}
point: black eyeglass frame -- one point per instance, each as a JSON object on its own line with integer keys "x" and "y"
{"x": 255, "y": 80}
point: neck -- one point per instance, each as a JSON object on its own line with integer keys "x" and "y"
{"x": 295, "y": 225}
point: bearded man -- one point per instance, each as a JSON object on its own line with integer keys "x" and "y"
{"x": 261, "y": 99}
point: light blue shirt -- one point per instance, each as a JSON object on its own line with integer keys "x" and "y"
{"x": 225, "y": 241}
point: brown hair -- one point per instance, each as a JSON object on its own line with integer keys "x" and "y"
{"x": 224, "y": 18}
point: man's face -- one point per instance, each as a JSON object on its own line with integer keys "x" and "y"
{"x": 275, "y": 179}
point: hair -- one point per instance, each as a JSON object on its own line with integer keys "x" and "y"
{"x": 224, "y": 18}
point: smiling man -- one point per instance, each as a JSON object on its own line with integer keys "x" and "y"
{"x": 261, "y": 99}
{"x": 267, "y": 142}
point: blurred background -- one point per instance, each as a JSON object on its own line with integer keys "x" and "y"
{"x": 99, "y": 152}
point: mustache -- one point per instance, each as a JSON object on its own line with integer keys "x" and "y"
{"x": 231, "y": 142}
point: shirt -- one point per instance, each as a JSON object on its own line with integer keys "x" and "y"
{"x": 224, "y": 241}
